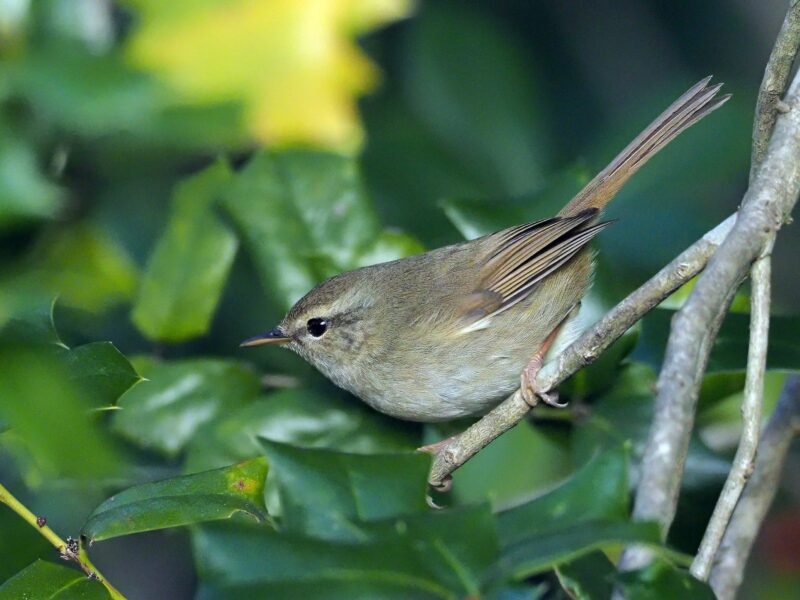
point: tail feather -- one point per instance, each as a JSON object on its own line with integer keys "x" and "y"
{"x": 697, "y": 102}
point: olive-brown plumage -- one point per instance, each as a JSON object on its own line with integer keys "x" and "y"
{"x": 447, "y": 333}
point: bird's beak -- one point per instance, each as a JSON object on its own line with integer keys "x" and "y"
{"x": 276, "y": 336}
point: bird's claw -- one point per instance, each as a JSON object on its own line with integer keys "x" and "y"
{"x": 533, "y": 396}
{"x": 443, "y": 486}
{"x": 551, "y": 399}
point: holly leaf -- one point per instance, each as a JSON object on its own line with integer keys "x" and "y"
{"x": 189, "y": 266}
{"x": 206, "y": 496}
{"x": 597, "y": 491}
{"x": 324, "y": 492}
{"x": 47, "y": 581}
{"x": 662, "y": 580}
{"x": 304, "y": 216}
{"x": 163, "y": 412}
{"x": 303, "y": 418}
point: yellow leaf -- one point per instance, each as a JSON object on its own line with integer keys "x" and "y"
{"x": 293, "y": 64}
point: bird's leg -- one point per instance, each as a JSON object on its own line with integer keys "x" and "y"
{"x": 530, "y": 393}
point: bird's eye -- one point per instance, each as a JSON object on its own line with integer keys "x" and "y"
{"x": 317, "y": 327}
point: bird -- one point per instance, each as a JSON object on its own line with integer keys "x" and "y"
{"x": 451, "y": 332}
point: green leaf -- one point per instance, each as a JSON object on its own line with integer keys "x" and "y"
{"x": 458, "y": 545}
{"x": 399, "y": 144}
{"x": 240, "y": 559}
{"x": 389, "y": 245}
{"x": 718, "y": 386}
{"x": 25, "y": 193}
{"x": 544, "y": 551}
{"x": 304, "y": 216}
{"x": 207, "y": 496}
{"x": 28, "y": 544}
{"x": 729, "y": 352}
{"x": 89, "y": 93}
{"x": 376, "y": 587}
{"x": 99, "y": 95}
{"x": 624, "y": 413}
{"x": 528, "y": 457}
{"x": 190, "y": 264}
{"x": 46, "y": 581}
{"x": 303, "y": 418}
{"x": 323, "y": 492}
{"x": 662, "y": 580}
{"x": 596, "y": 492}
{"x": 83, "y": 266}
{"x": 32, "y": 324}
{"x": 589, "y": 577}
{"x": 164, "y": 412}
{"x": 740, "y": 304}
{"x": 730, "y": 348}
{"x": 101, "y": 371}
{"x": 49, "y": 412}
{"x": 435, "y": 554}
{"x": 475, "y": 217}
{"x": 438, "y": 554}
{"x": 722, "y": 393}
{"x": 473, "y": 89}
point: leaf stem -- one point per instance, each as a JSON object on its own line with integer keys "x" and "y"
{"x": 69, "y": 550}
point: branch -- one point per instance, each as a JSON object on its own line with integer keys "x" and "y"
{"x": 751, "y": 418}
{"x": 583, "y": 351}
{"x": 767, "y": 203}
{"x": 728, "y": 570}
{"x": 776, "y": 76}
{"x": 69, "y": 550}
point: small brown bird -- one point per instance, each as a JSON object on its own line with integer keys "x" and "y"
{"x": 449, "y": 333}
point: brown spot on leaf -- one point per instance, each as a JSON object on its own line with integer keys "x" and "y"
{"x": 243, "y": 484}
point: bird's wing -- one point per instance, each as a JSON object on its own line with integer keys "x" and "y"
{"x": 523, "y": 257}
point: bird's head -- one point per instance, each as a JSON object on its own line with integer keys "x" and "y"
{"x": 329, "y": 326}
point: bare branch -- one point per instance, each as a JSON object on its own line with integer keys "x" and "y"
{"x": 767, "y": 203}
{"x": 776, "y": 76}
{"x": 728, "y": 570}
{"x": 583, "y": 351}
{"x": 751, "y": 418}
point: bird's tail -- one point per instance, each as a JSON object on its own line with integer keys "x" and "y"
{"x": 693, "y": 105}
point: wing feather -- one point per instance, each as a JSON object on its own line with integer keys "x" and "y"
{"x": 526, "y": 255}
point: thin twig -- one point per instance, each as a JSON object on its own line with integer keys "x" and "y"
{"x": 751, "y": 418}
{"x": 582, "y": 352}
{"x": 766, "y": 204}
{"x": 776, "y": 76}
{"x": 69, "y": 550}
{"x": 728, "y": 569}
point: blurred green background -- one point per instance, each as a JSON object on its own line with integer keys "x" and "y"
{"x": 132, "y": 188}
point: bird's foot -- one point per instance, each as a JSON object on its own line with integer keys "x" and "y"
{"x": 443, "y": 486}
{"x": 531, "y": 393}
{"x": 446, "y": 484}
